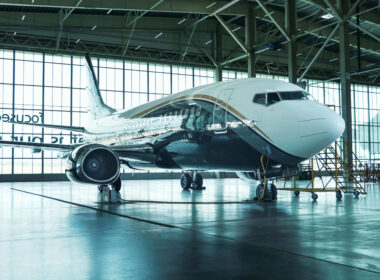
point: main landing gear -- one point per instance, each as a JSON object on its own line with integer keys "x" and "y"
{"x": 192, "y": 181}
{"x": 115, "y": 186}
{"x": 270, "y": 192}
{"x": 107, "y": 195}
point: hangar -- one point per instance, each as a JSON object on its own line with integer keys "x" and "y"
{"x": 150, "y": 68}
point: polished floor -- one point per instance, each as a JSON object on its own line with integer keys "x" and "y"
{"x": 60, "y": 230}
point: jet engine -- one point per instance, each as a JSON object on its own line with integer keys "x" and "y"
{"x": 93, "y": 163}
{"x": 273, "y": 172}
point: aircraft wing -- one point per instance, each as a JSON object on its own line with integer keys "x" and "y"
{"x": 39, "y": 146}
{"x": 64, "y": 127}
{"x": 145, "y": 152}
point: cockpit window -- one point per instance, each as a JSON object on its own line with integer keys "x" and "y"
{"x": 294, "y": 95}
{"x": 260, "y": 99}
{"x": 273, "y": 98}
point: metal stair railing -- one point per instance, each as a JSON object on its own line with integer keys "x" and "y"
{"x": 330, "y": 157}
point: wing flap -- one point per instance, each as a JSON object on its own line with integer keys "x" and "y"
{"x": 145, "y": 152}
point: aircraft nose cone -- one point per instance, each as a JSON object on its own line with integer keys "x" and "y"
{"x": 319, "y": 133}
{"x": 337, "y": 128}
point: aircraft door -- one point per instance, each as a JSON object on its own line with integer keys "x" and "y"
{"x": 220, "y": 112}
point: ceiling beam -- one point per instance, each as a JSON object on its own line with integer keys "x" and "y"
{"x": 168, "y": 6}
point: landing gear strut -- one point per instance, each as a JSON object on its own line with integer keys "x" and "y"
{"x": 115, "y": 186}
{"x": 102, "y": 188}
{"x": 192, "y": 181}
{"x": 270, "y": 192}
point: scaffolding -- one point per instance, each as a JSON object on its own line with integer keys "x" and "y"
{"x": 336, "y": 175}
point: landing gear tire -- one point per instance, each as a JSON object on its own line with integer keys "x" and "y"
{"x": 269, "y": 193}
{"x": 273, "y": 190}
{"x": 117, "y": 185}
{"x": 101, "y": 188}
{"x": 259, "y": 190}
{"x": 197, "y": 182}
{"x": 339, "y": 195}
{"x": 356, "y": 193}
{"x": 314, "y": 196}
{"x": 297, "y": 193}
{"x": 186, "y": 181}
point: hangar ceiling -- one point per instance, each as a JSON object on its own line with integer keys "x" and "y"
{"x": 185, "y": 32}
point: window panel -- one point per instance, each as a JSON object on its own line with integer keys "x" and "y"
{"x": 126, "y": 84}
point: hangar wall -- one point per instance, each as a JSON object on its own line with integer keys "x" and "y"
{"x": 48, "y": 88}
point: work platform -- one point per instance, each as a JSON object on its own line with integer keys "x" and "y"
{"x": 59, "y": 230}
{"x": 332, "y": 171}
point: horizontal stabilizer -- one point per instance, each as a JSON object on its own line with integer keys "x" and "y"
{"x": 64, "y": 127}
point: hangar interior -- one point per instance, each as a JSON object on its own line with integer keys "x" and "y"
{"x": 148, "y": 49}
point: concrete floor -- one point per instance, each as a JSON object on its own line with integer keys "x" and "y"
{"x": 73, "y": 236}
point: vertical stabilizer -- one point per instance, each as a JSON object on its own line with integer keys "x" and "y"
{"x": 96, "y": 107}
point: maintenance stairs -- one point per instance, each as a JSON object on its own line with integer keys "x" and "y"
{"x": 346, "y": 178}
{"x": 334, "y": 173}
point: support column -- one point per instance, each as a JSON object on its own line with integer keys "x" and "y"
{"x": 345, "y": 77}
{"x": 291, "y": 29}
{"x": 250, "y": 39}
{"x": 218, "y": 53}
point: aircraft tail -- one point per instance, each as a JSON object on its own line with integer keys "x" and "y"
{"x": 96, "y": 107}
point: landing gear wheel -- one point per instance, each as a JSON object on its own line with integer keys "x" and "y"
{"x": 101, "y": 188}
{"x": 297, "y": 193}
{"x": 339, "y": 195}
{"x": 314, "y": 196}
{"x": 186, "y": 181}
{"x": 259, "y": 190}
{"x": 273, "y": 190}
{"x": 198, "y": 182}
{"x": 356, "y": 193}
{"x": 117, "y": 185}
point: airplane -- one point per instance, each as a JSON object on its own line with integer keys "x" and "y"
{"x": 257, "y": 128}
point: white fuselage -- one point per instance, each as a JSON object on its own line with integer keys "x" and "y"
{"x": 298, "y": 127}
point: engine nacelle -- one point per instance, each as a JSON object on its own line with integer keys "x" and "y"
{"x": 93, "y": 163}
{"x": 275, "y": 172}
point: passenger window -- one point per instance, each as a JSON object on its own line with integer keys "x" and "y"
{"x": 273, "y": 98}
{"x": 260, "y": 99}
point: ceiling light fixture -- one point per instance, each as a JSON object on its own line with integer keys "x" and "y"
{"x": 158, "y": 35}
{"x": 93, "y": 28}
{"x": 182, "y": 20}
{"x": 110, "y": 10}
{"x": 137, "y": 47}
{"x": 237, "y": 28}
{"x": 77, "y": 41}
{"x": 23, "y": 17}
{"x": 208, "y": 42}
{"x": 327, "y": 16}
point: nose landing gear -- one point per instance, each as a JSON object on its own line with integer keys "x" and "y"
{"x": 270, "y": 192}
{"x": 192, "y": 181}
